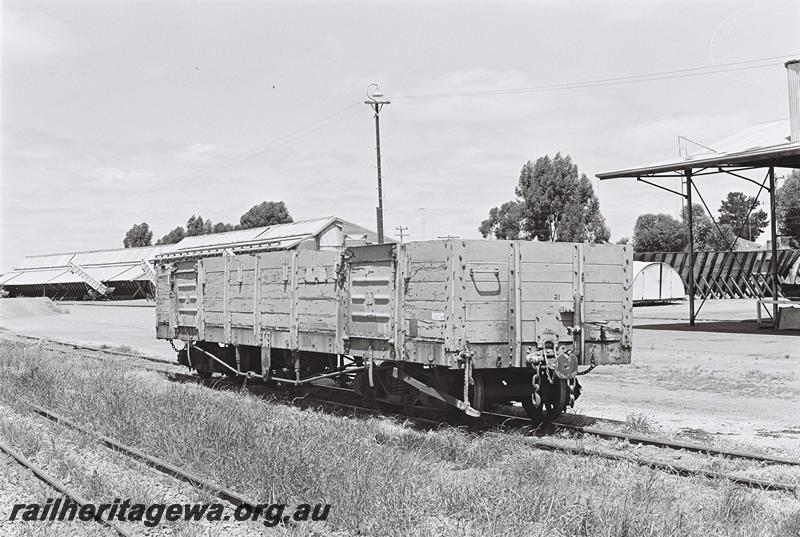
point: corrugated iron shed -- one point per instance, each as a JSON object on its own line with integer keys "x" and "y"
{"x": 53, "y": 275}
{"x": 122, "y": 268}
{"x": 319, "y": 233}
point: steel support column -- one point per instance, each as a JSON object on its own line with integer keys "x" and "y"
{"x": 690, "y": 217}
{"x": 774, "y": 236}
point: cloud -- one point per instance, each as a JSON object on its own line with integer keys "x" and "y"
{"x": 32, "y": 36}
{"x": 120, "y": 180}
{"x": 199, "y": 154}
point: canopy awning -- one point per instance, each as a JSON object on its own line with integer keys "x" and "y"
{"x": 760, "y": 146}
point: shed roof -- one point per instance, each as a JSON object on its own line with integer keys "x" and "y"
{"x": 94, "y": 257}
{"x": 762, "y": 145}
{"x": 275, "y": 237}
{"x": 124, "y": 264}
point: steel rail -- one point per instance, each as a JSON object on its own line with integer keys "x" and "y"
{"x": 96, "y": 349}
{"x": 60, "y": 487}
{"x": 677, "y": 444}
{"x": 669, "y": 467}
{"x": 143, "y": 367}
{"x": 155, "y": 462}
{"x": 658, "y": 442}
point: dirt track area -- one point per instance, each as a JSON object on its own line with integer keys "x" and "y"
{"x": 717, "y": 385}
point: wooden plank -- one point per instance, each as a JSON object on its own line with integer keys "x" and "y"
{"x": 276, "y": 291}
{"x": 275, "y": 321}
{"x": 322, "y": 306}
{"x": 427, "y": 291}
{"x": 428, "y": 271}
{"x": 427, "y": 251}
{"x": 317, "y": 258}
{"x": 317, "y": 323}
{"x": 604, "y": 292}
{"x": 488, "y": 332}
{"x": 531, "y": 310}
{"x": 594, "y": 310}
{"x": 242, "y": 319}
{"x": 545, "y": 252}
{"x": 602, "y": 273}
{"x": 547, "y": 291}
{"x": 271, "y": 275}
{"x": 428, "y": 330}
{"x": 487, "y": 311}
{"x": 270, "y": 261}
{"x": 244, "y": 261}
{"x": 546, "y": 272}
{"x": 313, "y": 291}
{"x": 435, "y": 305}
{"x": 602, "y": 254}
{"x": 475, "y": 251}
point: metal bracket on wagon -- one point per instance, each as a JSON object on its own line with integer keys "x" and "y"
{"x": 563, "y": 362}
{"x": 437, "y": 394}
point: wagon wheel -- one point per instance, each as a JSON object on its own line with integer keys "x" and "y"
{"x": 554, "y": 400}
{"x": 203, "y": 374}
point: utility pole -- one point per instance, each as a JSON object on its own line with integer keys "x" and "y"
{"x": 376, "y": 99}
{"x": 401, "y": 230}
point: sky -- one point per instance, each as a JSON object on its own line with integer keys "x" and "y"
{"x": 116, "y": 113}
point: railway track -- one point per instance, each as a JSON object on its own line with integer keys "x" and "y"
{"x": 646, "y": 440}
{"x": 493, "y": 421}
{"x": 159, "y": 464}
{"x": 61, "y": 346}
{"x": 57, "y": 485}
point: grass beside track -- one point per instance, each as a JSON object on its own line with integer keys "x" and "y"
{"x": 381, "y": 478}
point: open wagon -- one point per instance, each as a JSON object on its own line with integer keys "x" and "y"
{"x": 442, "y": 322}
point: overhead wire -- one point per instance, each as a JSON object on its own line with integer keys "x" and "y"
{"x": 628, "y": 79}
{"x": 319, "y": 124}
